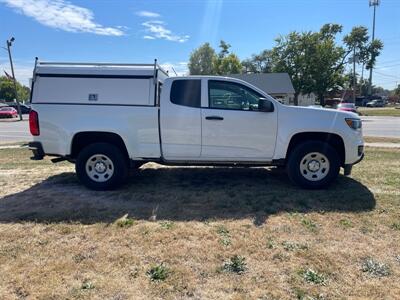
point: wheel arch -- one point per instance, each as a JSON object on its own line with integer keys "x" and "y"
{"x": 82, "y": 139}
{"x": 333, "y": 139}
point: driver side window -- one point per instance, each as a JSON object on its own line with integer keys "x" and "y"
{"x": 232, "y": 95}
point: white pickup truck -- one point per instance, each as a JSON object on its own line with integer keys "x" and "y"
{"x": 107, "y": 118}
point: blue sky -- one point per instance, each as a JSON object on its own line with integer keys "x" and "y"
{"x": 139, "y": 31}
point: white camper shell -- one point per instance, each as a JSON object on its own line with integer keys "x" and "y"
{"x": 101, "y": 84}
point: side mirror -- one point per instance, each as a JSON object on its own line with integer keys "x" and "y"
{"x": 265, "y": 105}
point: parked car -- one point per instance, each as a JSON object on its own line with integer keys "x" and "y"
{"x": 347, "y": 107}
{"x": 376, "y": 103}
{"x": 8, "y": 112}
{"x": 108, "y": 118}
{"x": 25, "y": 109}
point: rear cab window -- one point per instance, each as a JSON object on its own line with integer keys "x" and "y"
{"x": 186, "y": 92}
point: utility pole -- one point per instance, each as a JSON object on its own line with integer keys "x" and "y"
{"x": 9, "y": 43}
{"x": 354, "y": 74}
{"x": 373, "y": 3}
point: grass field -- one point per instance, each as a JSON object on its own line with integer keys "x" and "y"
{"x": 386, "y": 111}
{"x": 377, "y": 139}
{"x": 199, "y": 233}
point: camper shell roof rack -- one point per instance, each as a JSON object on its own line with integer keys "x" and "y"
{"x": 155, "y": 66}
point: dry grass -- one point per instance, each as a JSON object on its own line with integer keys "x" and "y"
{"x": 376, "y": 139}
{"x": 61, "y": 241}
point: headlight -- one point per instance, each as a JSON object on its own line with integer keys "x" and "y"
{"x": 353, "y": 123}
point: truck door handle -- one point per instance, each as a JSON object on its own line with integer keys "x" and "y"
{"x": 218, "y": 118}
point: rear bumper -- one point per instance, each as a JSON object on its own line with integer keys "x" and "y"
{"x": 37, "y": 150}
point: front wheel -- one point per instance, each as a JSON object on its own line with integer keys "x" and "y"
{"x": 101, "y": 166}
{"x": 313, "y": 165}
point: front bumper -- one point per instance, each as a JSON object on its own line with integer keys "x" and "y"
{"x": 37, "y": 150}
{"x": 347, "y": 168}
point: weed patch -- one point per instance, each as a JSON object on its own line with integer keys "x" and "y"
{"x": 167, "y": 224}
{"x": 158, "y": 272}
{"x": 292, "y": 246}
{"x": 125, "y": 221}
{"x": 225, "y": 237}
{"x": 375, "y": 268}
{"x": 395, "y": 226}
{"x": 87, "y": 285}
{"x": 312, "y": 276}
{"x": 236, "y": 264}
{"x": 345, "y": 223}
{"x": 309, "y": 224}
{"x": 270, "y": 243}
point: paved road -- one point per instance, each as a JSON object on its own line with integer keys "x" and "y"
{"x": 381, "y": 126}
{"x": 11, "y": 131}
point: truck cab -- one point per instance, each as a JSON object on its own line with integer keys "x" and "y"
{"x": 212, "y": 119}
{"x": 107, "y": 118}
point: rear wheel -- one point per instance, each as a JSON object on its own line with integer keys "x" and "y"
{"x": 101, "y": 166}
{"x": 313, "y": 165}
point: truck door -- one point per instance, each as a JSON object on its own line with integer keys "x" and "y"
{"x": 180, "y": 119}
{"x": 232, "y": 126}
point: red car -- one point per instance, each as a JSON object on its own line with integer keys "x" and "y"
{"x": 8, "y": 112}
{"x": 347, "y": 107}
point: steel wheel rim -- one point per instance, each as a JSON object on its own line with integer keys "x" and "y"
{"x": 99, "y": 168}
{"x": 314, "y": 166}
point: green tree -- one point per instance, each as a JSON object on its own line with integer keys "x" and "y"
{"x": 258, "y": 63}
{"x": 7, "y": 90}
{"x": 397, "y": 91}
{"x": 374, "y": 49}
{"x": 291, "y": 55}
{"x": 225, "y": 62}
{"x": 327, "y": 63}
{"x": 201, "y": 61}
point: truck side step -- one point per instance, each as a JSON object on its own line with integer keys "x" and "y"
{"x": 58, "y": 159}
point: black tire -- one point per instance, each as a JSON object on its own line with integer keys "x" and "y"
{"x": 299, "y": 176}
{"x": 119, "y": 167}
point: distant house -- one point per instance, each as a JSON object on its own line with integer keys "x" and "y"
{"x": 307, "y": 99}
{"x": 278, "y": 85}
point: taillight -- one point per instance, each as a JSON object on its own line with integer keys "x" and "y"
{"x": 34, "y": 122}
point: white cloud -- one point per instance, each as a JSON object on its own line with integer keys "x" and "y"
{"x": 63, "y": 15}
{"x": 148, "y": 14}
{"x": 180, "y": 68}
{"x": 157, "y": 30}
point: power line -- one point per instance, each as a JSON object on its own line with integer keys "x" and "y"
{"x": 387, "y": 75}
